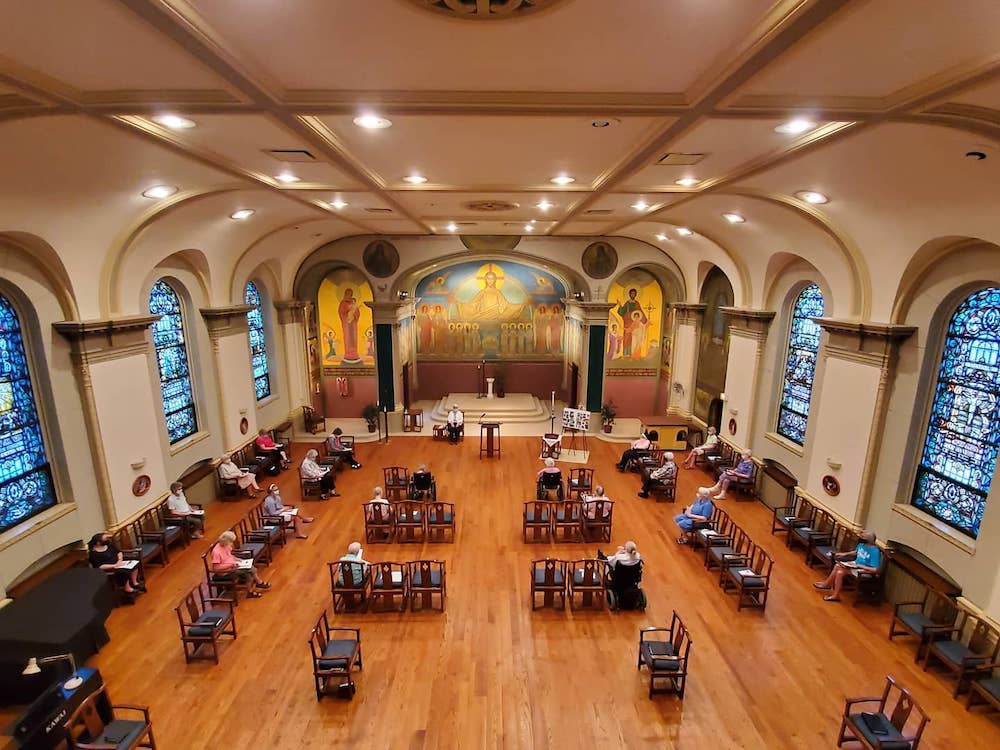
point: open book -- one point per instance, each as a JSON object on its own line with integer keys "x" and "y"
{"x": 244, "y": 564}
{"x": 747, "y": 572}
{"x": 127, "y": 564}
{"x": 197, "y": 512}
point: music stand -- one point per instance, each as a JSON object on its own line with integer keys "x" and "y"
{"x": 489, "y": 439}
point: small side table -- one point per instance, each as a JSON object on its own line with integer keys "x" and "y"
{"x": 413, "y": 420}
{"x": 281, "y": 429}
{"x": 489, "y": 439}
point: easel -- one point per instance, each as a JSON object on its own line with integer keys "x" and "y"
{"x": 572, "y": 438}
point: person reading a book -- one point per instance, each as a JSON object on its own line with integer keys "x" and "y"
{"x": 742, "y": 470}
{"x": 274, "y": 507}
{"x": 665, "y": 472}
{"x": 353, "y": 555}
{"x": 104, "y": 555}
{"x": 639, "y": 447}
{"x": 699, "y": 512}
{"x": 192, "y": 516}
{"x": 591, "y": 508}
{"x": 865, "y": 558}
{"x": 265, "y": 443}
{"x": 226, "y": 565}
{"x": 710, "y": 444}
{"x": 335, "y": 446}
{"x": 309, "y": 469}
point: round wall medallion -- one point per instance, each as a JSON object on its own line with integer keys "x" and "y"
{"x": 831, "y": 486}
{"x": 141, "y": 485}
{"x": 491, "y": 205}
{"x": 599, "y": 260}
{"x": 732, "y": 426}
{"x": 244, "y": 426}
{"x": 478, "y": 10}
{"x": 381, "y": 258}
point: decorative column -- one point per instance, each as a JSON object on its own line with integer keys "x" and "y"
{"x": 857, "y": 361}
{"x": 229, "y": 334}
{"x": 115, "y": 368}
{"x": 593, "y": 317}
{"x": 291, "y": 318}
{"x": 389, "y": 373}
{"x": 747, "y": 337}
{"x": 688, "y": 317}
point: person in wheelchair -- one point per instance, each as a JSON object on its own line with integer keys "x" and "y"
{"x": 623, "y": 578}
{"x": 549, "y": 478}
{"x": 422, "y": 483}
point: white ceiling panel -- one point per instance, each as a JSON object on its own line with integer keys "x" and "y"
{"x": 440, "y": 203}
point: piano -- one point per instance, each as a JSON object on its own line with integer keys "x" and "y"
{"x": 41, "y": 727}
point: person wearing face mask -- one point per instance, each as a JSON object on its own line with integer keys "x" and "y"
{"x": 193, "y": 517}
{"x": 104, "y": 555}
{"x": 274, "y": 507}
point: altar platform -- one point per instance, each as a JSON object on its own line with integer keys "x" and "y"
{"x": 519, "y": 413}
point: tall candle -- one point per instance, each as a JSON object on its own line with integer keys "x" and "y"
{"x": 553, "y": 409}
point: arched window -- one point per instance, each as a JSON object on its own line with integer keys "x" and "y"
{"x": 172, "y": 360}
{"x": 963, "y": 432}
{"x": 26, "y": 486}
{"x": 258, "y": 344}
{"x": 800, "y": 365}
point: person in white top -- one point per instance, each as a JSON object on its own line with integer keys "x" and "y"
{"x": 711, "y": 442}
{"x": 591, "y": 509}
{"x": 309, "y": 469}
{"x": 245, "y": 479}
{"x": 274, "y": 507}
{"x": 627, "y": 554}
{"x": 639, "y": 446}
{"x": 455, "y": 421}
{"x": 180, "y": 508}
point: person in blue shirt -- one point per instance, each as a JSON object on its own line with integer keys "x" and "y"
{"x": 866, "y": 558}
{"x": 699, "y": 512}
{"x": 742, "y": 470}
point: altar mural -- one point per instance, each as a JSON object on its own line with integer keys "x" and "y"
{"x": 489, "y": 310}
{"x": 346, "y": 333}
{"x": 634, "y": 322}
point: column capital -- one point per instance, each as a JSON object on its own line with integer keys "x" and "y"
{"x": 290, "y": 311}
{"x": 588, "y": 313}
{"x": 389, "y": 312}
{"x": 226, "y": 321}
{"x": 109, "y": 338}
{"x": 869, "y": 343}
{"x": 688, "y": 312}
{"x": 754, "y": 323}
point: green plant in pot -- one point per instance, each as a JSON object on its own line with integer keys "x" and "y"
{"x": 608, "y": 414}
{"x": 370, "y": 414}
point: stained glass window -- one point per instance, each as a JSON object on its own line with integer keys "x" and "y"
{"x": 963, "y": 432}
{"x": 258, "y": 344}
{"x": 172, "y": 360}
{"x": 800, "y": 365}
{"x": 26, "y": 486}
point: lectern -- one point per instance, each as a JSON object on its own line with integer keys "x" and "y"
{"x": 489, "y": 439}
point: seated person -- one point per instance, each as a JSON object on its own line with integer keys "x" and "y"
{"x": 360, "y": 566}
{"x": 550, "y": 477}
{"x": 421, "y": 481}
{"x": 309, "y": 469}
{"x": 378, "y": 500}
{"x": 226, "y": 565}
{"x": 245, "y": 479}
{"x": 274, "y": 507}
{"x": 626, "y": 554}
{"x": 638, "y": 448}
{"x": 104, "y": 555}
{"x": 179, "y": 507}
{"x": 663, "y": 473}
{"x": 265, "y": 444}
{"x": 699, "y": 512}
{"x": 742, "y": 470}
{"x": 866, "y": 558}
{"x": 624, "y": 575}
{"x": 455, "y": 421}
{"x": 591, "y": 510}
{"x": 336, "y": 447}
{"x": 710, "y": 444}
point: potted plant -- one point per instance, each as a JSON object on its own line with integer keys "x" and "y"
{"x": 608, "y": 414}
{"x": 370, "y": 414}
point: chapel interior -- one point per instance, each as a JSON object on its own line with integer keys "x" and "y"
{"x": 768, "y": 225}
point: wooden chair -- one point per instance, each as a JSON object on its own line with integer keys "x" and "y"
{"x": 597, "y": 520}
{"x": 787, "y": 517}
{"x": 581, "y": 482}
{"x": 310, "y": 487}
{"x": 422, "y": 485}
{"x": 122, "y": 539}
{"x": 152, "y": 528}
{"x": 822, "y": 550}
{"x": 440, "y": 521}
{"x": 648, "y": 459}
{"x": 389, "y": 580}
{"x": 665, "y": 488}
{"x": 336, "y": 655}
{"x": 877, "y": 728}
{"x": 548, "y": 578}
{"x": 701, "y": 533}
{"x": 746, "y": 486}
{"x": 410, "y": 520}
{"x": 87, "y": 729}
{"x": 735, "y": 543}
{"x": 568, "y": 517}
{"x": 312, "y": 421}
{"x": 350, "y": 584}
{"x": 396, "y": 482}
{"x": 722, "y": 459}
{"x": 218, "y": 585}
{"x": 537, "y": 517}
{"x": 427, "y": 578}
{"x": 985, "y": 689}
{"x": 587, "y": 578}
{"x": 380, "y": 522}
{"x": 750, "y": 575}
{"x": 968, "y": 650}
{"x": 272, "y": 528}
{"x": 202, "y": 625}
{"x": 257, "y": 543}
{"x": 819, "y": 529}
{"x": 934, "y": 614}
{"x": 664, "y": 652}
{"x": 549, "y": 481}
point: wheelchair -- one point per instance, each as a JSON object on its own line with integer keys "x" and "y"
{"x": 422, "y": 484}
{"x": 547, "y": 482}
{"x": 624, "y": 592}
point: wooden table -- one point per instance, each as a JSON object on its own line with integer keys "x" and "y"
{"x": 673, "y": 431}
{"x": 413, "y": 420}
{"x": 487, "y": 432}
{"x": 280, "y": 431}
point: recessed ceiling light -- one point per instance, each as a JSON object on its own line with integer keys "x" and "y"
{"x": 372, "y": 122}
{"x": 733, "y": 218}
{"x": 533, "y": 221}
{"x": 287, "y": 178}
{"x": 811, "y": 196}
{"x": 563, "y": 179}
{"x": 640, "y": 205}
{"x": 544, "y": 205}
{"x": 662, "y": 237}
{"x": 338, "y": 204}
{"x": 159, "y": 191}
{"x": 452, "y": 227}
{"x": 415, "y": 179}
{"x": 243, "y": 213}
{"x": 684, "y": 232}
{"x": 528, "y": 228}
{"x": 174, "y": 122}
{"x": 796, "y": 127}
{"x": 687, "y": 181}
{"x": 600, "y": 123}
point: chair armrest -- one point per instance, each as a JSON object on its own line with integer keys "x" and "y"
{"x": 853, "y": 701}
{"x": 144, "y": 710}
{"x": 216, "y": 600}
{"x": 900, "y": 605}
{"x": 275, "y": 520}
{"x": 736, "y": 559}
{"x": 243, "y": 553}
{"x": 152, "y": 536}
{"x": 258, "y": 536}
{"x": 131, "y": 554}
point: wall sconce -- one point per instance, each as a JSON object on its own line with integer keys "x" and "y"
{"x": 243, "y": 412}
{"x": 734, "y": 412}
{"x": 578, "y": 296}
{"x": 403, "y": 295}
{"x": 722, "y": 396}
{"x": 833, "y": 463}
{"x": 138, "y": 464}
{"x": 71, "y": 684}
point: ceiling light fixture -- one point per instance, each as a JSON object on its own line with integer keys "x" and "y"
{"x": 733, "y": 218}
{"x": 174, "y": 122}
{"x": 600, "y": 123}
{"x": 687, "y": 181}
{"x": 563, "y": 179}
{"x": 640, "y": 205}
{"x": 528, "y": 228}
{"x": 684, "y": 232}
{"x": 543, "y": 205}
{"x": 415, "y": 179}
{"x": 338, "y": 204}
{"x": 452, "y": 227}
{"x": 243, "y": 213}
{"x": 370, "y": 121}
{"x": 811, "y": 196}
{"x": 662, "y": 237}
{"x": 286, "y": 177}
{"x": 159, "y": 191}
{"x": 798, "y": 126}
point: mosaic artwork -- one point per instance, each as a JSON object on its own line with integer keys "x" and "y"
{"x": 258, "y": 344}
{"x": 496, "y": 309}
{"x": 346, "y": 333}
{"x": 172, "y": 360}
{"x": 635, "y": 321}
{"x": 800, "y": 365}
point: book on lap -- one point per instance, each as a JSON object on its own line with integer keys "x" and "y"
{"x": 127, "y": 564}
{"x": 244, "y": 564}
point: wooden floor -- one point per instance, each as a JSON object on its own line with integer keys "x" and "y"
{"x": 489, "y": 672}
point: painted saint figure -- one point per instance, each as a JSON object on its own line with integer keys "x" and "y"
{"x": 349, "y": 314}
{"x": 489, "y": 303}
{"x": 331, "y": 345}
{"x": 625, "y": 312}
{"x": 614, "y": 341}
{"x": 424, "y": 329}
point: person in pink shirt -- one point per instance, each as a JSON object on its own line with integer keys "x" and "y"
{"x": 226, "y": 565}
{"x": 639, "y": 446}
{"x": 265, "y": 443}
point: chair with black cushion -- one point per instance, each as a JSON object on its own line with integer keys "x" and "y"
{"x": 821, "y": 551}
{"x": 721, "y": 459}
{"x": 265, "y": 526}
{"x": 704, "y": 533}
{"x": 664, "y": 652}
{"x": 222, "y": 585}
{"x": 647, "y": 459}
{"x": 150, "y": 528}
{"x": 336, "y": 655}
{"x": 312, "y": 421}
{"x": 411, "y": 519}
{"x": 87, "y": 729}
{"x": 380, "y": 522}
{"x": 932, "y": 617}
{"x": 389, "y": 580}
{"x": 440, "y": 523}
{"x": 724, "y": 547}
{"x": 549, "y": 481}
{"x": 396, "y": 482}
{"x": 598, "y": 517}
{"x": 124, "y": 543}
{"x": 350, "y": 584}
{"x": 787, "y": 517}
{"x": 427, "y": 578}
{"x": 750, "y": 575}
{"x": 202, "y": 625}
{"x": 588, "y": 579}
{"x": 310, "y": 487}
{"x": 548, "y": 578}
{"x": 422, "y": 486}
{"x": 882, "y": 727}
{"x": 581, "y": 482}
{"x": 567, "y": 517}
{"x": 968, "y": 650}
{"x": 985, "y": 689}
{"x": 257, "y": 543}
{"x": 819, "y": 528}
{"x": 537, "y": 517}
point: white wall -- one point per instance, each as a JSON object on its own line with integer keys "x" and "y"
{"x": 684, "y": 359}
{"x": 741, "y": 376}
{"x": 237, "y": 398}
